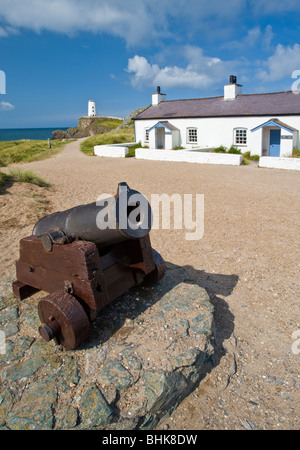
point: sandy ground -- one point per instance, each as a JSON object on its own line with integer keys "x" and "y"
{"x": 248, "y": 260}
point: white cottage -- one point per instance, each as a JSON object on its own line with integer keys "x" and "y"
{"x": 264, "y": 124}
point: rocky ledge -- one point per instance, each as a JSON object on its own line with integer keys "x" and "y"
{"x": 146, "y": 352}
{"x": 87, "y": 126}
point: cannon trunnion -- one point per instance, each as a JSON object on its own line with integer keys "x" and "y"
{"x": 81, "y": 276}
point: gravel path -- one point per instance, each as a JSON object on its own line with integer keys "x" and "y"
{"x": 248, "y": 261}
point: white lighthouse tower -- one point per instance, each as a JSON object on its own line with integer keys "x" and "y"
{"x": 92, "y": 111}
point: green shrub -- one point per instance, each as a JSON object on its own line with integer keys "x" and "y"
{"x": 220, "y": 149}
{"x": 245, "y": 162}
{"x": 247, "y": 155}
{"x": 234, "y": 150}
{"x": 131, "y": 150}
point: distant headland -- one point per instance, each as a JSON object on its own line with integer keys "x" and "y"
{"x": 92, "y": 125}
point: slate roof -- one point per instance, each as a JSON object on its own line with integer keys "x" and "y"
{"x": 274, "y": 104}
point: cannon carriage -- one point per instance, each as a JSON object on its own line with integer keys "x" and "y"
{"x": 85, "y": 258}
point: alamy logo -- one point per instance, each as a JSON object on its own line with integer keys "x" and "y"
{"x": 2, "y": 82}
{"x": 296, "y": 84}
{"x": 187, "y": 211}
{"x": 296, "y": 343}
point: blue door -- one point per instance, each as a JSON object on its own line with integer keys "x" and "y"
{"x": 275, "y": 142}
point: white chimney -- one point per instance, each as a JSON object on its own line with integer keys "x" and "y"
{"x": 232, "y": 90}
{"x": 157, "y": 98}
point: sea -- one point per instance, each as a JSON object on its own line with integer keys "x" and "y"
{"x": 16, "y": 134}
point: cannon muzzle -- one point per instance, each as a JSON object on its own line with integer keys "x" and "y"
{"x": 108, "y": 221}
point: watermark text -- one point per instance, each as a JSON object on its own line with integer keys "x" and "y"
{"x": 2, "y": 82}
{"x": 296, "y": 84}
{"x": 296, "y": 343}
{"x": 2, "y": 343}
{"x": 176, "y": 211}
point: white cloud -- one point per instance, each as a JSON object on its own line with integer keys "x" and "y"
{"x": 255, "y": 36}
{"x": 3, "y": 32}
{"x": 267, "y": 37}
{"x": 200, "y": 71}
{"x": 72, "y": 16}
{"x": 138, "y": 21}
{"x": 272, "y": 7}
{"x": 5, "y": 106}
{"x": 281, "y": 64}
{"x": 135, "y": 21}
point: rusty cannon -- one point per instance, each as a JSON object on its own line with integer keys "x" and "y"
{"x": 84, "y": 258}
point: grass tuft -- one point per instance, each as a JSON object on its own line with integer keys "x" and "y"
{"x": 234, "y": 150}
{"x": 27, "y": 177}
{"x": 296, "y": 153}
{"x": 247, "y": 155}
{"x": 220, "y": 149}
{"x": 131, "y": 150}
{"x": 3, "y": 178}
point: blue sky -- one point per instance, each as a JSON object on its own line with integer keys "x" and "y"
{"x": 58, "y": 54}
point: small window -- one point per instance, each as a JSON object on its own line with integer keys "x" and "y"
{"x": 240, "y": 136}
{"x": 147, "y": 135}
{"x": 192, "y": 135}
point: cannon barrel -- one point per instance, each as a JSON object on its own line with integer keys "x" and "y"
{"x": 111, "y": 220}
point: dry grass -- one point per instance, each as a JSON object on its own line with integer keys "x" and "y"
{"x": 26, "y": 176}
{"x": 23, "y": 151}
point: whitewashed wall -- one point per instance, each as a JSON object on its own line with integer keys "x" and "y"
{"x": 213, "y": 132}
{"x": 188, "y": 156}
{"x": 110, "y": 151}
{"x": 279, "y": 163}
{"x": 286, "y": 145}
{"x": 113, "y": 150}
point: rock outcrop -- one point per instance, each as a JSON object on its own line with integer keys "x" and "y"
{"x": 146, "y": 352}
{"x": 89, "y": 126}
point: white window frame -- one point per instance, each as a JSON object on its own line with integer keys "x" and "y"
{"x": 188, "y": 136}
{"x": 240, "y": 136}
{"x": 146, "y": 134}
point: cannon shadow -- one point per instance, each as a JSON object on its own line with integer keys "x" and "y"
{"x": 129, "y": 306}
{"x": 119, "y": 319}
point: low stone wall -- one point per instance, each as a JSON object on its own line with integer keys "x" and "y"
{"x": 110, "y": 151}
{"x": 279, "y": 163}
{"x": 189, "y": 156}
{"x": 146, "y": 352}
{"x": 113, "y": 150}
